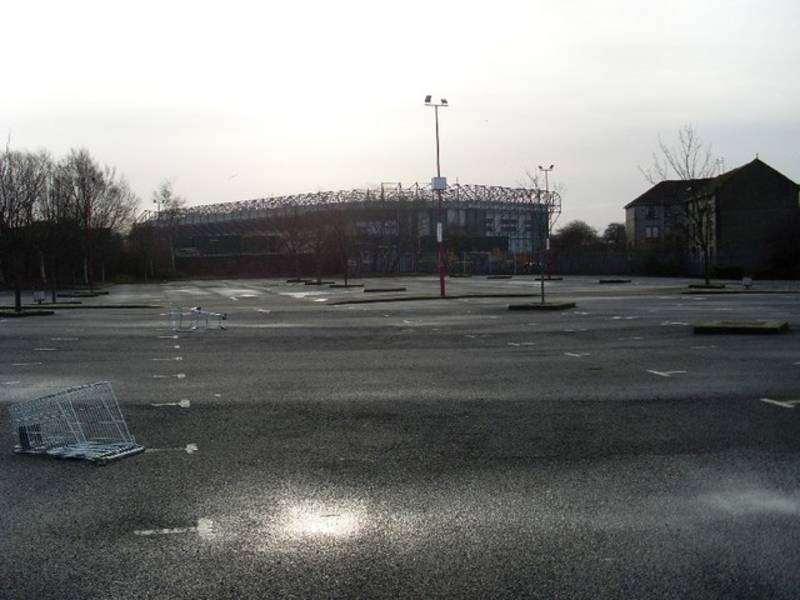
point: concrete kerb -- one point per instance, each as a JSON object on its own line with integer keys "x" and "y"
{"x": 383, "y": 290}
{"x": 26, "y": 312}
{"x": 425, "y": 297}
{"x": 52, "y": 307}
{"x": 742, "y": 327}
{"x": 542, "y": 306}
{"x": 721, "y": 292}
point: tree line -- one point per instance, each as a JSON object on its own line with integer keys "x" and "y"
{"x": 61, "y": 220}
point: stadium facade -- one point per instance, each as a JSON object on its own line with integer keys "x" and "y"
{"x": 387, "y": 229}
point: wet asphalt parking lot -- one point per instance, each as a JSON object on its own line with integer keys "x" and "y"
{"x": 439, "y": 448}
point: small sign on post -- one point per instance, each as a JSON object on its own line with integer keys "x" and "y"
{"x": 439, "y": 235}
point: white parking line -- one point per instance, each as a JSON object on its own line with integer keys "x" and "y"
{"x": 181, "y": 404}
{"x": 665, "y": 373}
{"x": 64, "y": 339}
{"x": 204, "y": 528}
{"x": 785, "y": 404}
{"x": 576, "y": 354}
{"x": 162, "y": 359}
{"x": 26, "y": 364}
{"x": 45, "y": 349}
{"x": 176, "y": 375}
{"x": 665, "y": 323}
{"x": 167, "y": 337}
{"x": 189, "y": 449}
{"x": 11, "y": 382}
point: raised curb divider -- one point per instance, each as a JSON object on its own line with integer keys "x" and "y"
{"x": 383, "y": 290}
{"x": 12, "y": 314}
{"x": 546, "y": 306}
{"x": 742, "y": 327}
{"x": 427, "y": 297}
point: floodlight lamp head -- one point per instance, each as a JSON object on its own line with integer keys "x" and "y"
{"x": 428, "y": 99}
{"x": 444, "y": 101}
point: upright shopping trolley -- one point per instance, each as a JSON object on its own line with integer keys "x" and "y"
{"x": 195, "y": 319}
{"x": 82, "y": 422}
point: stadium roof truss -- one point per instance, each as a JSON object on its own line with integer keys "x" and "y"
{"x": 467, "y": 196}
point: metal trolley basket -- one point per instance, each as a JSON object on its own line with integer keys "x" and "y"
{"x": 82, "y": 422}
{"x": 195, "y": 319}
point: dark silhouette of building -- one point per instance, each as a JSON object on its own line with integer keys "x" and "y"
{"x": 753, "y": 218}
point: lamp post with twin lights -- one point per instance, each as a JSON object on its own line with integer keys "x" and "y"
{"x": 439, "y": 184}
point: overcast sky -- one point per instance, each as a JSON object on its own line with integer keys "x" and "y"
{"x": 239, "y": 100}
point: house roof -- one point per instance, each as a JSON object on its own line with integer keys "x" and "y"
{"x": 669, "y": 191}
{"x": 673, "y": 191}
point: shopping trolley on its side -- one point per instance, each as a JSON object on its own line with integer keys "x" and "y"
{"x": 82, "y": 422}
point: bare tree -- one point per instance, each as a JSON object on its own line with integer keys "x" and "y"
{"x": 690, "y": 159}
{"x": 342, "y": 237}
{"x": 700, "y": 225}
{"x": 169, "y": 206}
{"x": 98, "y": 200}
{"x": 291, "y": 223}
{"x": 23, "y": 182}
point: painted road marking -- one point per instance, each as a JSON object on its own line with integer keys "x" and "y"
{"x": 176, "y": 358}
{"x": 665, "y": 373}
{"x": 703, "y": 347}
{"x": 189, "y": 449}
{"x": 168, "y": 337}
{"x": 263, "y": 310}
{"x": 176, "y": 375}
{"x": 665, "y": 323}
{"x": 784, "y": 404}
{"x": 182, "y": 404}
{"x": 576, "y": 354}
{"x": 45, "y": 349}
{"x": 27, "y": 364}
{"x": 177, "y": 347}
{"x": 204, "y": 528}
{"x": 320, "y": 299}
{"x": 64, "y": 339}
{"x": 11, "y": 382}
{"x": 634, "y": 337}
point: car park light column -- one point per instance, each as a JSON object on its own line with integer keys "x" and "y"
{"x": 439, "y": 184}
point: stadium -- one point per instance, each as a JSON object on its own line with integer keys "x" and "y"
{"x": 382, "y": 230}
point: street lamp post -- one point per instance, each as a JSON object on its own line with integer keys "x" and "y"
{"x": 546, "y": 245}
{"x": 439, "y": 184}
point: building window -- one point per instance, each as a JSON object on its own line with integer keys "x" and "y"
{"x": 651, "y": 213}
{"x": 651, "y": 233}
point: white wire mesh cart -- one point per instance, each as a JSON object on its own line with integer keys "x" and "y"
{"x": 195, "y": 319}
{"x": 83, "y": 422}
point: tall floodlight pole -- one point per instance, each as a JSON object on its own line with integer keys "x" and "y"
{"x": 546, "y": 245}
{"x": 439, "y": 184}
